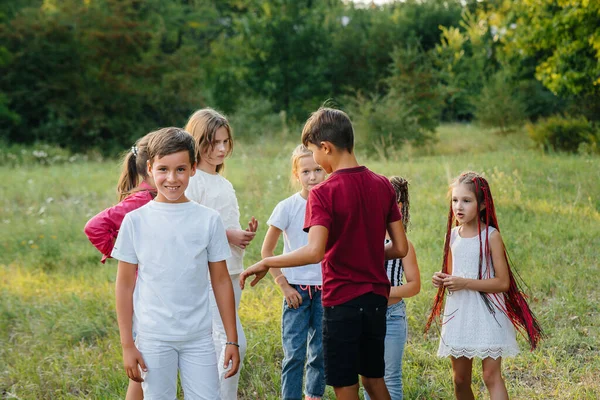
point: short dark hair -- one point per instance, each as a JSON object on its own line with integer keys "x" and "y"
{"x": 329, "y": 125}
{"x": 171, "y": 140}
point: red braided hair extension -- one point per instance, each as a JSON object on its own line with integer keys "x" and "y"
{"x": 515, "y": 304}
{"x": 438, "y": 301}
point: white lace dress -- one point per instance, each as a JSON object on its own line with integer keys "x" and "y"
{"x": 468, "y": 328}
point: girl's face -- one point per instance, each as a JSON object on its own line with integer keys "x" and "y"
{"x": 215, "y": 154}
{"x": 308, "y": 173}
{"x": 171, "y": 175}
{"x": 464, "y": 204}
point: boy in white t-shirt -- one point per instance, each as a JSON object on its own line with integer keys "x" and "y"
{"x": 301, "y": 287}
{"x": 174, "y": 244}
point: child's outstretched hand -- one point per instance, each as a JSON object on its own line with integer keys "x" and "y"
{"x": 438, "y": 279}
{"x": 252, "y": 225}
{"x": 240, "y": 238}
{"x": 132, "y": 358}
{"x": 232, "y": 360}
{"x": 259, "y": 269}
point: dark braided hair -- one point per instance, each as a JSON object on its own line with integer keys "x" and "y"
{"x": 400, "y": 186}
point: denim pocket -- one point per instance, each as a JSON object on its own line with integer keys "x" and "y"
{"x": 396, "y": 311}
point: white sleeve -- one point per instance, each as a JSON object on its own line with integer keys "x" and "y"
{"x": 280, "y": 217}
{"x": 218, "y": 246}
{"x": 196, "y": 189}
{"x": 124, "y": 248}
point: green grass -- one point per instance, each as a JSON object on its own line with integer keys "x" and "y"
{"x": 58, "y": 331}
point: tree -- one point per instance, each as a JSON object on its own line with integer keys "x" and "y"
{"x": 564, "y": 38}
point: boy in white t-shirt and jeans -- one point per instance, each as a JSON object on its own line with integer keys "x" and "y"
{"x": 173, "y": 244}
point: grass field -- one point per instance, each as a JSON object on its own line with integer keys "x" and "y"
{"x": 58, "y": 331}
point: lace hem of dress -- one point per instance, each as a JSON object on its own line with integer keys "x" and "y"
{"x": 494, "y": 353}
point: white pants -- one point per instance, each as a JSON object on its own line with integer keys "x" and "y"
{"x": 228, "y": 386}
{"x": 195, "y": 360}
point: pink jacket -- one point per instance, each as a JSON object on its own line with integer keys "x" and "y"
{"x": 103, "y": 228}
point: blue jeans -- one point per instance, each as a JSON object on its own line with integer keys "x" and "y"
{"x": 301, "y": 334}
{"x": 395, "y": 339}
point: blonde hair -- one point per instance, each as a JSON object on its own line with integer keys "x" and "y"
{"x": 202, "y": 125}
{"x": 299, "y": 152}
{"x": 134, "y": 167}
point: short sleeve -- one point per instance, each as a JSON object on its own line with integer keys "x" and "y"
{"x": 218, "y": 246}
{"x": 280, "y": 218}
{"x": 196, "y": 189}
{"x": 317, "y": 211}
{"x": 124, "y": 249}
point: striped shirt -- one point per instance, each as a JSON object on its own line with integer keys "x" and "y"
{"x": 395, "y": 270}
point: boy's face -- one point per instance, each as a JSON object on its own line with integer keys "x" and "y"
{"x": 321, "y": 156}
{"x": 171, "y": 175}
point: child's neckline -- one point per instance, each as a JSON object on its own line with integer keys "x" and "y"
{"x": 208, "y": 173}
{"x": 470, "y": 237}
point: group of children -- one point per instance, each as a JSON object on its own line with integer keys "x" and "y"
{"x": 344, "y": 272}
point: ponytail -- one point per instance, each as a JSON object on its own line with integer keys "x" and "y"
{"x": 134, "y": 166}
{"x": 129, "y": 178}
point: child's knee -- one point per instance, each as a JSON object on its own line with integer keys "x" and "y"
{"x": 372, "y": 384}
{"x": 492, "y": 376}
{"x": 461, "y": 379}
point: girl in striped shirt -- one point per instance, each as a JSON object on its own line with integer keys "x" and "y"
{"x": 396, "y": 332}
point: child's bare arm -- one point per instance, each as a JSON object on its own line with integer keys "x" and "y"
{"x": 223, "y": 290}
{"x": 126, "y": 276}
{"x": 292, "y": 297}
{"x": 413, "y": 278}
{"x": 312, "y": 253}
{"x": 398, "y": 246}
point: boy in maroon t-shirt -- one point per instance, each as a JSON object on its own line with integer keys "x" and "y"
{"x": 346, "y": 218}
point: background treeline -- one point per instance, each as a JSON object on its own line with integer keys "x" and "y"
{"x": 87, "y": 74}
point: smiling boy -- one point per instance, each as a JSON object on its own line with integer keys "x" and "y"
{"x": 173, "y": 243}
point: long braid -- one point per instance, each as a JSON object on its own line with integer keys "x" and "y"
{"x": 515, "y": 304}
{"x": 438, "y": 301}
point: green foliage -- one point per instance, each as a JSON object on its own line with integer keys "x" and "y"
{"x": 564, "y": 38}
{"x": 463, "y": 61}
{"x": 383, "y": 124}
{"x": 537, "y": 100}
{"x": 564, "y": 133}
{"x": 255, "y": 119}
{"x": 498, "y": 106}
{"x": 97, "y": 74}
{"x": 408, "y": 113}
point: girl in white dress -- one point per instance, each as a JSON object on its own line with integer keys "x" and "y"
{"x": 483, "y": 302}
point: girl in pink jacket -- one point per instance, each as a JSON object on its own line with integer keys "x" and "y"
{"x": 103, "y": 228}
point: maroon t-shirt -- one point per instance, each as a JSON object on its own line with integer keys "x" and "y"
{"x": 355, "y": 205}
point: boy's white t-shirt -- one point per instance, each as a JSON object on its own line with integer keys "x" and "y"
{"x": 288, "y": 216}
{"x": 172, "y": 245}
{"x": 216, "y": 192}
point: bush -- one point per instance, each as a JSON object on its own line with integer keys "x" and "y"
{"x": 254, "y": 117}
{"x": 498, "y": 107}
{"x": 564, "y": 133}
{"x": 384, "y": 124}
